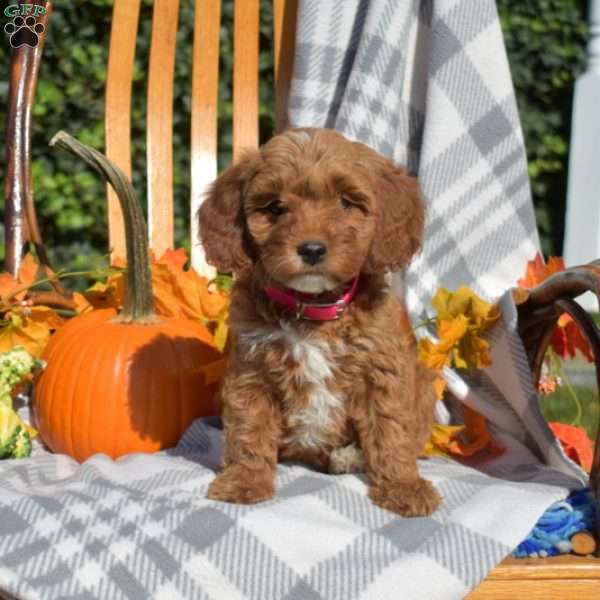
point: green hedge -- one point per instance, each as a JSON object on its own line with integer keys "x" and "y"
{"x": 545, "y": 40}
{"x": 70, "y": 199}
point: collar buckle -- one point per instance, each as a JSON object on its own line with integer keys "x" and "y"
{"x": 340, "y": 308}
{"x": 300, "y": 306}
{"x": 300, "y": 313}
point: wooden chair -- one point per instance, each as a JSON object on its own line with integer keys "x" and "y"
{"x": 539, "y": 309}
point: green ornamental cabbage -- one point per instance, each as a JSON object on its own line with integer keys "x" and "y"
{"x": 15, "y": 435}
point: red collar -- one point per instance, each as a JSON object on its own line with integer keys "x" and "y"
{"x": 305, "y": 309}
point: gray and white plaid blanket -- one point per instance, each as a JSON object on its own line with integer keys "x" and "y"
{"x": 428, "y": 84}
{"x": 141, "y": 527}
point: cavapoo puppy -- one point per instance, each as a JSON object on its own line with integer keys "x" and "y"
{"x": 322, "y": 360}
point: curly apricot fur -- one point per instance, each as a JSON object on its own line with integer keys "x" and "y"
{"x": 296, "y": 389}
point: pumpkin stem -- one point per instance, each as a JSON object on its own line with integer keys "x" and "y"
{"x": 138, "y": 305}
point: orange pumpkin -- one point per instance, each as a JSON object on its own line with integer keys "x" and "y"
{"x": 127, "y": 382}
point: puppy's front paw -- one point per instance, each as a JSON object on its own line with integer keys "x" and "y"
{"x": 415, "y": 498}
{"x": 238, "y": 485}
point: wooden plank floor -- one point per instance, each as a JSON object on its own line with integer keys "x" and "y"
{"x": 556, "y": 578}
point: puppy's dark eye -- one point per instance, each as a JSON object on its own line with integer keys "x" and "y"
{"x": 346, "y": 203}
{"x": 275, "y": 208}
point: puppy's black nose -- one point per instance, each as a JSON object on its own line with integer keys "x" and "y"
{"x": 312, "y": 252}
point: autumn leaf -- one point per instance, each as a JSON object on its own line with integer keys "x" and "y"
{"x": 438, "y": 355}
{"x": 28, "y": 270}
{"x": 213, "y": 302}
{"x": 178, "y": 293}
{"x": 31, "y": 328}
{"x": 440, "y": 439}
{"x": 472, "y": 352}
{"x": 82, "y": 304}
{"x": 466, "y": 302}
{"x": 168, "y": 294}
{"x": 462, "y": 440}
{"x": 439, "y": 385}
{"x": 25, "y": 278}
{"x": 475, "y": 436}
{"x": 537, "y": 270}
{"x": 452, "y": 331}
{"x": 24, "y": 325}
{"x": 119, "y": 262}
{"x": 567, "y": 337}
{"x": 175, "y": 258}
{"x": 185, "y": 293}
{"x": 430, "y": 355}
{"x": 107, "y": 294}
{"x": 8, "y": 286}
{"x": 462, "y": 319}
{"x": 575, "y": 442}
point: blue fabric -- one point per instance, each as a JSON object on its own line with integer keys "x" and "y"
{"x": 552, "y": 534}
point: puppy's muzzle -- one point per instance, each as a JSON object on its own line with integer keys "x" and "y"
{"x": 312, "y": 252}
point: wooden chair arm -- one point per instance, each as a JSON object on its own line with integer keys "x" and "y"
{"x": 539, "y": 310}
{"x": 20, "y": 218}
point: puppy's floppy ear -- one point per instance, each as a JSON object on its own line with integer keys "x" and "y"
{"x": 222, "y": 221}
{"x": 401, "y": 218}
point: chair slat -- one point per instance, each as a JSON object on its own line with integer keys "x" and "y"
{"x": 284, "y": 19}
{"x": 119, "y": 81}
{"x": 245, "y": 76}
{"x": 205, "y": 97}
{"x": 159, "y": 149}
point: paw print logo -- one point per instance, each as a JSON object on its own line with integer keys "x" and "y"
{"x": 24, "y": 31}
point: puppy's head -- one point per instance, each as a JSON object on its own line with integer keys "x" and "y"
{"x": 315, "y": 209}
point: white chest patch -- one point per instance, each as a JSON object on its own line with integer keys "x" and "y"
{"x": 309, "y": 424}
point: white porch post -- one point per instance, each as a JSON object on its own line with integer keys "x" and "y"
{"x": 582, "y": 227}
